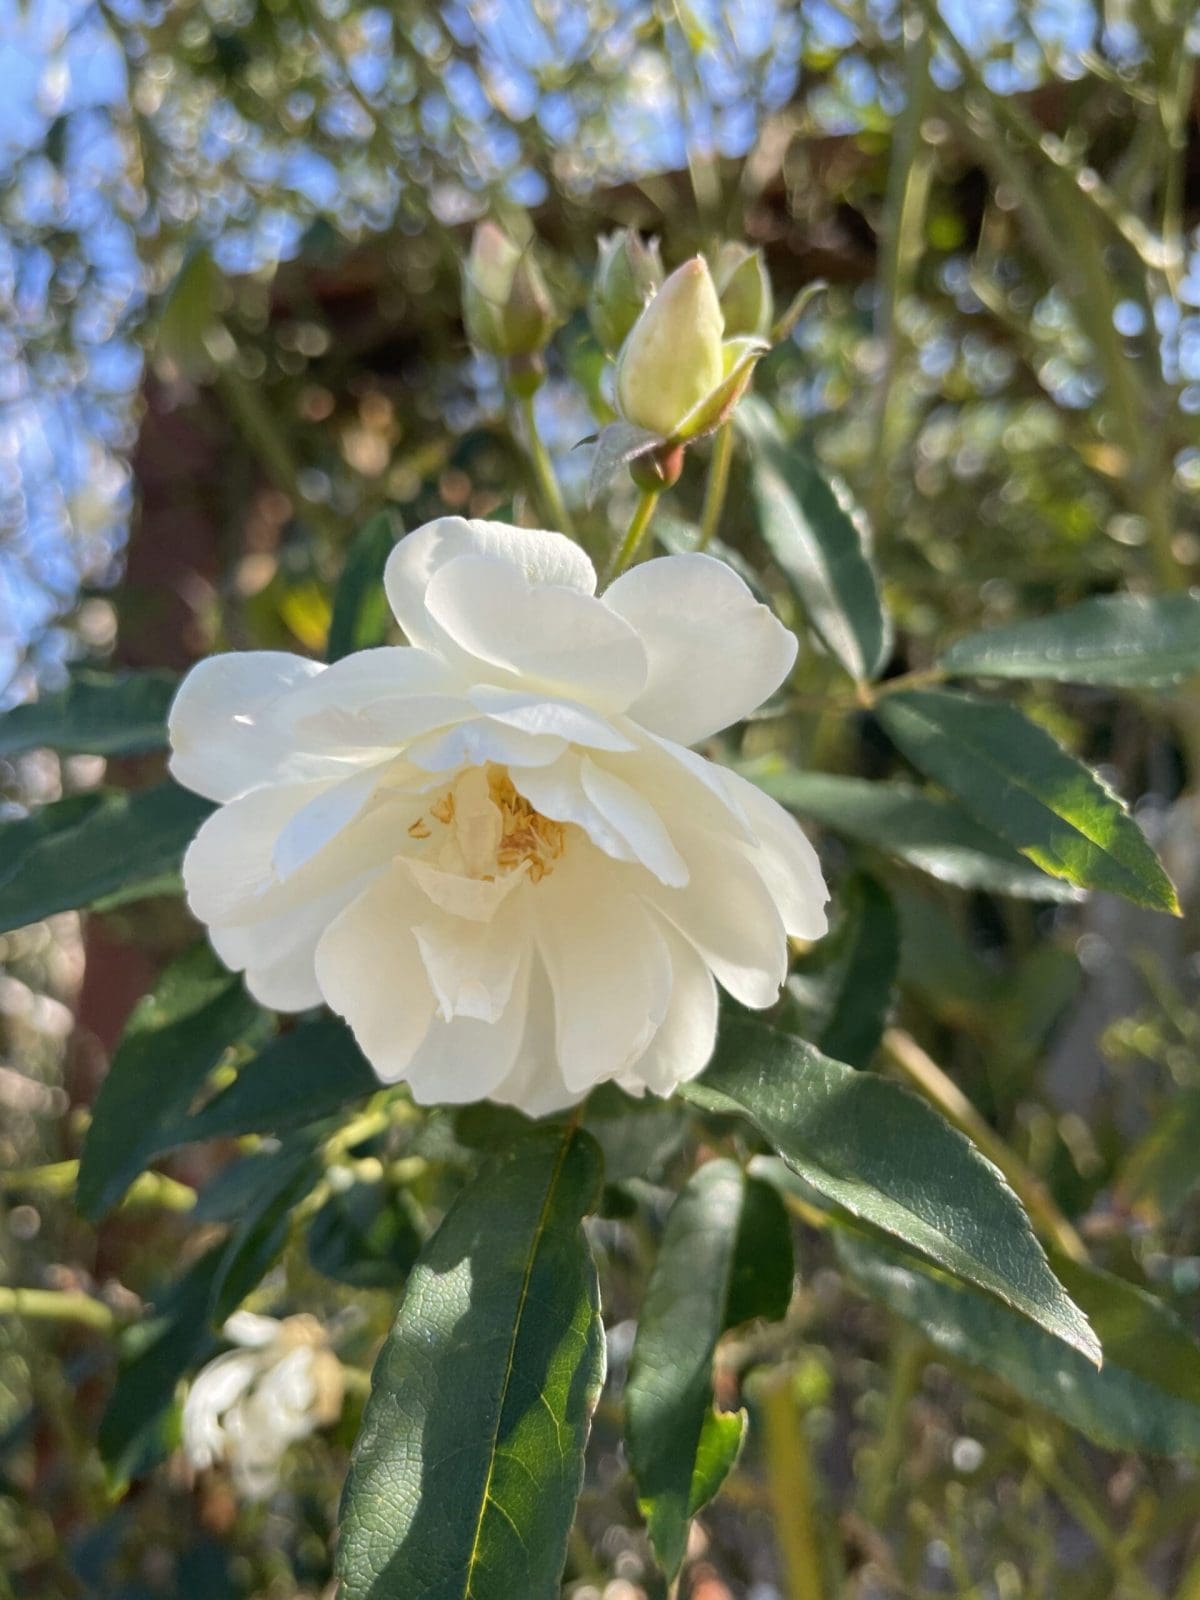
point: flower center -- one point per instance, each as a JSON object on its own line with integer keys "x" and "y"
{"x": 484, "y": 829}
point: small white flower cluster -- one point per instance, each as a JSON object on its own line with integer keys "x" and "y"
{"x": 493, "y": 852}
{"x": 248, "y": 1406}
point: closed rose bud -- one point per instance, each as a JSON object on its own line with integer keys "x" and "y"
{"x": 673, "y": 358}
{"x": 506, "y": 305}
{"x": 627, "y": 274}
{"x": 744, "y": 289}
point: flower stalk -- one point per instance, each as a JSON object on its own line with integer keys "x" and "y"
{"x": 549, "y": 490}
{"x": 717, "y": 485}
{"x": 634, "y": 534}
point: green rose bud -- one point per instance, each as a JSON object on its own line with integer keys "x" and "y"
{"x": 627, "y": 275}
{"x": 506, "y": 306}
{"x": 744, "y": 288}
{"x": 673, "y": 358}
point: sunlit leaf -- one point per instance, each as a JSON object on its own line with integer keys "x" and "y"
{"x": 1013, "y": 777}
{"x": 880, "y": 1154}
{"x": 465, "y": 1476}
{"x": 929, "y": 833}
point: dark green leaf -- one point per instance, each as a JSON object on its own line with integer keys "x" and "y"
{"x": 99, "y": 848}
{"x": 842, "y": 988}
{"x": 1012, "y": 776}
{"x": 99, "y": 713}
{"x": 1145, "y": 1397}
{"x": 153, "y": 1355}
{"x": 880, "y": 1154}
{"x": 821, "y": 544}
{"x": 1124, "y": 640}
{"x": 174, "y": 1039}
{"x": 466, "y": 1472}
{"x": 638, "y": 1137}
{"x": 699, "y": 1286}
{"x": 930, "y": 834}
{"x": 361, "y": 616}
{"x": 263, "y": 1227}
{"x": 297, "y": 1078}
{"x": 366, "y": 1236}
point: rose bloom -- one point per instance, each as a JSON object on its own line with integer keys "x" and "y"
{"x": 492, "y": 851}
{"x": 248, "y": 1406}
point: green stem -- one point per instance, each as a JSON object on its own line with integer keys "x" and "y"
{"x": 791, "y": 1480}
{"x": 717, "y": 485}
{"x": 634, "y": 534}
{"x": 551, "y": 495}
{"x": 53, "y": 1305}
{"x": 907, "y": 1365}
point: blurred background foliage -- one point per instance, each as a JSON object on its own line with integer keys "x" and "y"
{"x": 230, "y": 244}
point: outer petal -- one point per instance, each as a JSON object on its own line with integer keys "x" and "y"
{"x": 714, "y": 652}
{"x": 224, "y": 739}
{"x": 371, "y": 973}
{"x": 727, "y": 913}
{"x": 374, "y": 699}
{"x": 464, "y": 1059}
{"x": 535, "y": 1083}
{"x": 545, "y": 634}
{"x": 542, "y": 557}
{"x": 609, "y": 971}
{"x": 278, "y": 954}
{"x": 683, "y": 1045}
{"x": 786, "y": 860}
{"x": 229, "y": 869}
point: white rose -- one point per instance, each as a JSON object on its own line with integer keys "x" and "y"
{"x": 492, "y": 851}
{"x": 249, "y": 1405}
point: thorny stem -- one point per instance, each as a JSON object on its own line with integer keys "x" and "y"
{"x": 717, "y": 485}
{"x": 549, "y": 490}
{"x": 633, "y": 537}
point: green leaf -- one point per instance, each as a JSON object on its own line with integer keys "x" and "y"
{"x": 1012, "y": 776}
{"x": 297, "y": 1078}
{"x": 361, "y": 616}
{"x": 1125, "y": 640}
{"x": 102, "y": 848}
{"x": 721, "y": 1438}
{"x": 842, "y": 989}
{"x": 1161, "y": 1170}
{"x": 698, "y": 1289}
{"x": 878, "y": 1153}
{"x": 931, "y": 834}
{"x": 1146, "y": 1397}
{"x": 263, "y": 1227}
{"x": 175, "y": 1037}
{"x": 820, "y": 542}
{"x": 153, "y": 1355}
{"x": 617, "y": 445}
{"x": 367, "y": 1236}
{"x": 465, "y": 1476}
{"x": 99, "y": 713}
